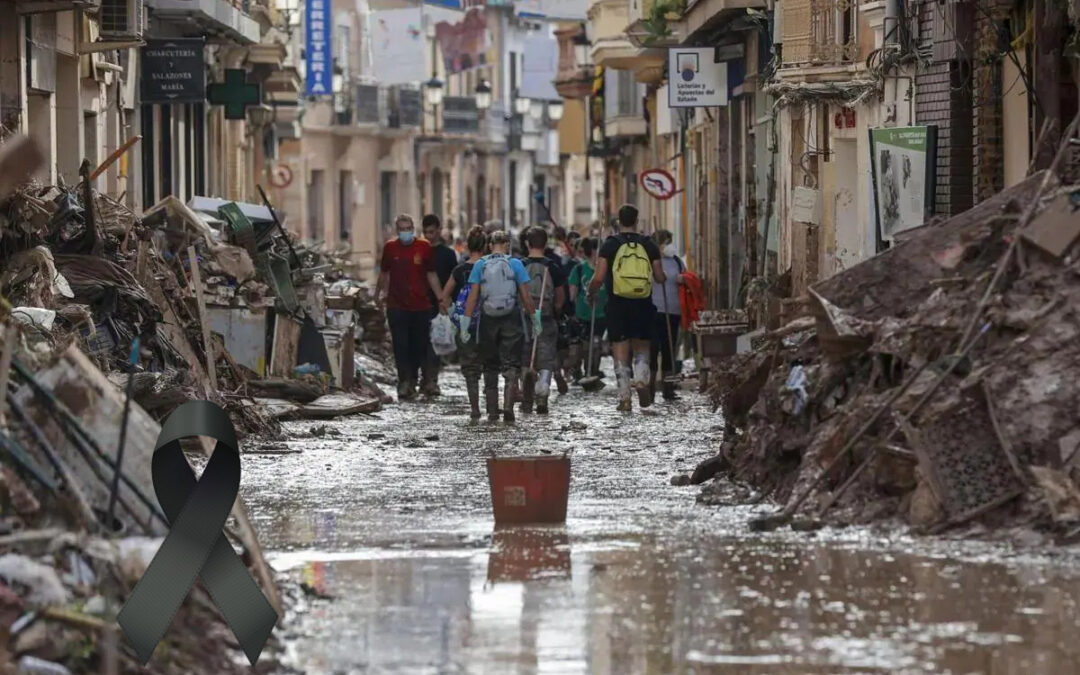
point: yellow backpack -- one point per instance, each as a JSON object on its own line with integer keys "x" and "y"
{"x": 631, "y": 272}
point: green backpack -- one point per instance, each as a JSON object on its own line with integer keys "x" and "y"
{"x": 631, "y": 271}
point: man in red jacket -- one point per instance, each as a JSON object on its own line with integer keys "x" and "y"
{"x": 407, "y": 275}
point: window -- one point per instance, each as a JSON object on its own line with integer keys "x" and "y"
{"x": 622, "y": 94}
{"x": 315, "y": 205}
{"x": 819, "y": 32}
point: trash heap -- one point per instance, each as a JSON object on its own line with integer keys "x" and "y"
{"x": 109, "y": 320}
{"x": 937, "y": 383}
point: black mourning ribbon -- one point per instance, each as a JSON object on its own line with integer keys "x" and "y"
{"x": 195, "y": 546}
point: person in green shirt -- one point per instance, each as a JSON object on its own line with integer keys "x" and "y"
{"x": 580, "y": 277}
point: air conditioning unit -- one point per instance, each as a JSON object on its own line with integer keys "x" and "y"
{"x": 121, "y": 19}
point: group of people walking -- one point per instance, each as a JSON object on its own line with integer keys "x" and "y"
{"x": 534, "y": 311}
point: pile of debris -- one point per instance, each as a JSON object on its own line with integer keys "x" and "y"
{"x": 109, "y": 320}
{"x": 936, "y": 383}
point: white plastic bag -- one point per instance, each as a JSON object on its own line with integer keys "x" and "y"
{"x": 442, "y": 335}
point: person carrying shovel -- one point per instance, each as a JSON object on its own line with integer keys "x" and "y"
{"x": 498, "y": 287}
{"x": 628, "y": 264}
{"x": 547, "y": 288}
{"x": 665, "y": 297}
{"x": 590, "y": 320}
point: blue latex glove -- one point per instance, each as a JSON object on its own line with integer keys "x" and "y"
{"x": 537, "y": 324}
{"x": 463, "y": 327}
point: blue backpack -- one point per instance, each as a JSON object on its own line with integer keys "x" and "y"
{"x": 458, "y": 310}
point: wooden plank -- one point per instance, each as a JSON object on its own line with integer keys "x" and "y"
{"x": 334, "y": 405}
{"x": 196, "y": 281}
{"x": 286, "y": 343}
{"x": 348, "y": 364}
{"x": 173, "y": 331}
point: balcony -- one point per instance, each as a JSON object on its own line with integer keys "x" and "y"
{"x": 611, "y": 47}
{"x": 211, "y": 18}
{"x": 820, "y": 33}
{"x": 623, "y": 105}
{"x": 574, "y": 79}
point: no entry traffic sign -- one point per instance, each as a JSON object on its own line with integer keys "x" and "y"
{"x": 658, "y": 183}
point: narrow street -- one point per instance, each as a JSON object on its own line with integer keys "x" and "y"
{"x": 386, "y": 521}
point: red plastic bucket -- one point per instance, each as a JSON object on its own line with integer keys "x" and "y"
{"x": 531, "y": 489}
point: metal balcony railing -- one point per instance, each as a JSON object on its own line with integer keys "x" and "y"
{"x": 819, "y": 32}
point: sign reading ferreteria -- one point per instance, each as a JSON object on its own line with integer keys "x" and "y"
{"x": 173, "y": 71}
{"x": 696, "y": 79}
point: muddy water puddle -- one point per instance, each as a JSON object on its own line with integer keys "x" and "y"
{"x": 386, "y": 520}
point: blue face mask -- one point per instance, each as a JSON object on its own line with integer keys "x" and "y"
{"x": 406, "y": 237}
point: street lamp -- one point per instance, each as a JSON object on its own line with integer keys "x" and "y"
{"x": 581, "y": 47}
{"x": 536, "y": 109}
{"x": 555, "y": 110}
{"x": 483, "y": 95}
{"x": 521, "y": 104}
{"x": 433, "y": 90}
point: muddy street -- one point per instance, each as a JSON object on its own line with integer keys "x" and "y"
{"x": 386, "y": 522}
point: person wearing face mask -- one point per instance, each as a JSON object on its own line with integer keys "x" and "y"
{"x": 665, "y": 297}
{"x": 408, "y": 280}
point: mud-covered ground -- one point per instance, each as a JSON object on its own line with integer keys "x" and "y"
{"x": 386, "y": 521}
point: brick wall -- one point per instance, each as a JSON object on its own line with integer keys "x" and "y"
{"x": 943, "y": 98}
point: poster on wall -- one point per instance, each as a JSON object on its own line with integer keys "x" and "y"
{"x": 397, "y": 46}
{"x": 463, "y": 44}
{"x": 903, "y": 160}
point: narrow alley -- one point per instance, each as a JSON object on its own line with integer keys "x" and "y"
{"x": 385, "y": 520}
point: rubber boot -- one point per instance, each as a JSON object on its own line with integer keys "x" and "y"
{"x": 574, "y": 359}
{"x": 622, "y": 380}
{"x": 491, "y": 396}
{"x": 528, "y": 392}
{"x": 543, "y": 389}
{"x": 560, "y": 382}
{"x": 510, "y": 395}
{"x": 473, "y": 388}
{"x": 669, "y": 392}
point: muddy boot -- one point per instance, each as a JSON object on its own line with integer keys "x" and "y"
{"x": 491, "y": 396}
{"x": 543, "y": 389}
{"x": 622, "y": 380}
{"x": 560, "y": 382}
{"x": 509, "y": 396}
{"x": 528, "y": 392}
{"x": 406, "y": 390}
{"x": 473, "y": 388}
{"x": 669, "y": 392}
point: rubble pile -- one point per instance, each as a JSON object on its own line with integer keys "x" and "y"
{"x": 937, "y": 383}
{"x": 208, "y": 299}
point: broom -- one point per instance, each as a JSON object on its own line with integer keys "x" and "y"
{"x": 591, "y": 382}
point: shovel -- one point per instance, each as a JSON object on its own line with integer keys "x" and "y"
{"x": 591, "y": 382}
{"x": 531, "y": 375}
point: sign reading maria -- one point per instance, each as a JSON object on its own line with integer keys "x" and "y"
{"x": 173, "y": 71}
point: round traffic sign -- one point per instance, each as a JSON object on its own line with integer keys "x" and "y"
{"x": 281, "y": 176}
{"x": 658, "y": 183}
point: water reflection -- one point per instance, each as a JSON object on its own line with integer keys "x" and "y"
{"x": 539, "y": 601}
{"x": 525, "y": 553}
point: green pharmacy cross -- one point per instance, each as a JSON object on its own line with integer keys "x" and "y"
{"x": 234, "y": 93}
